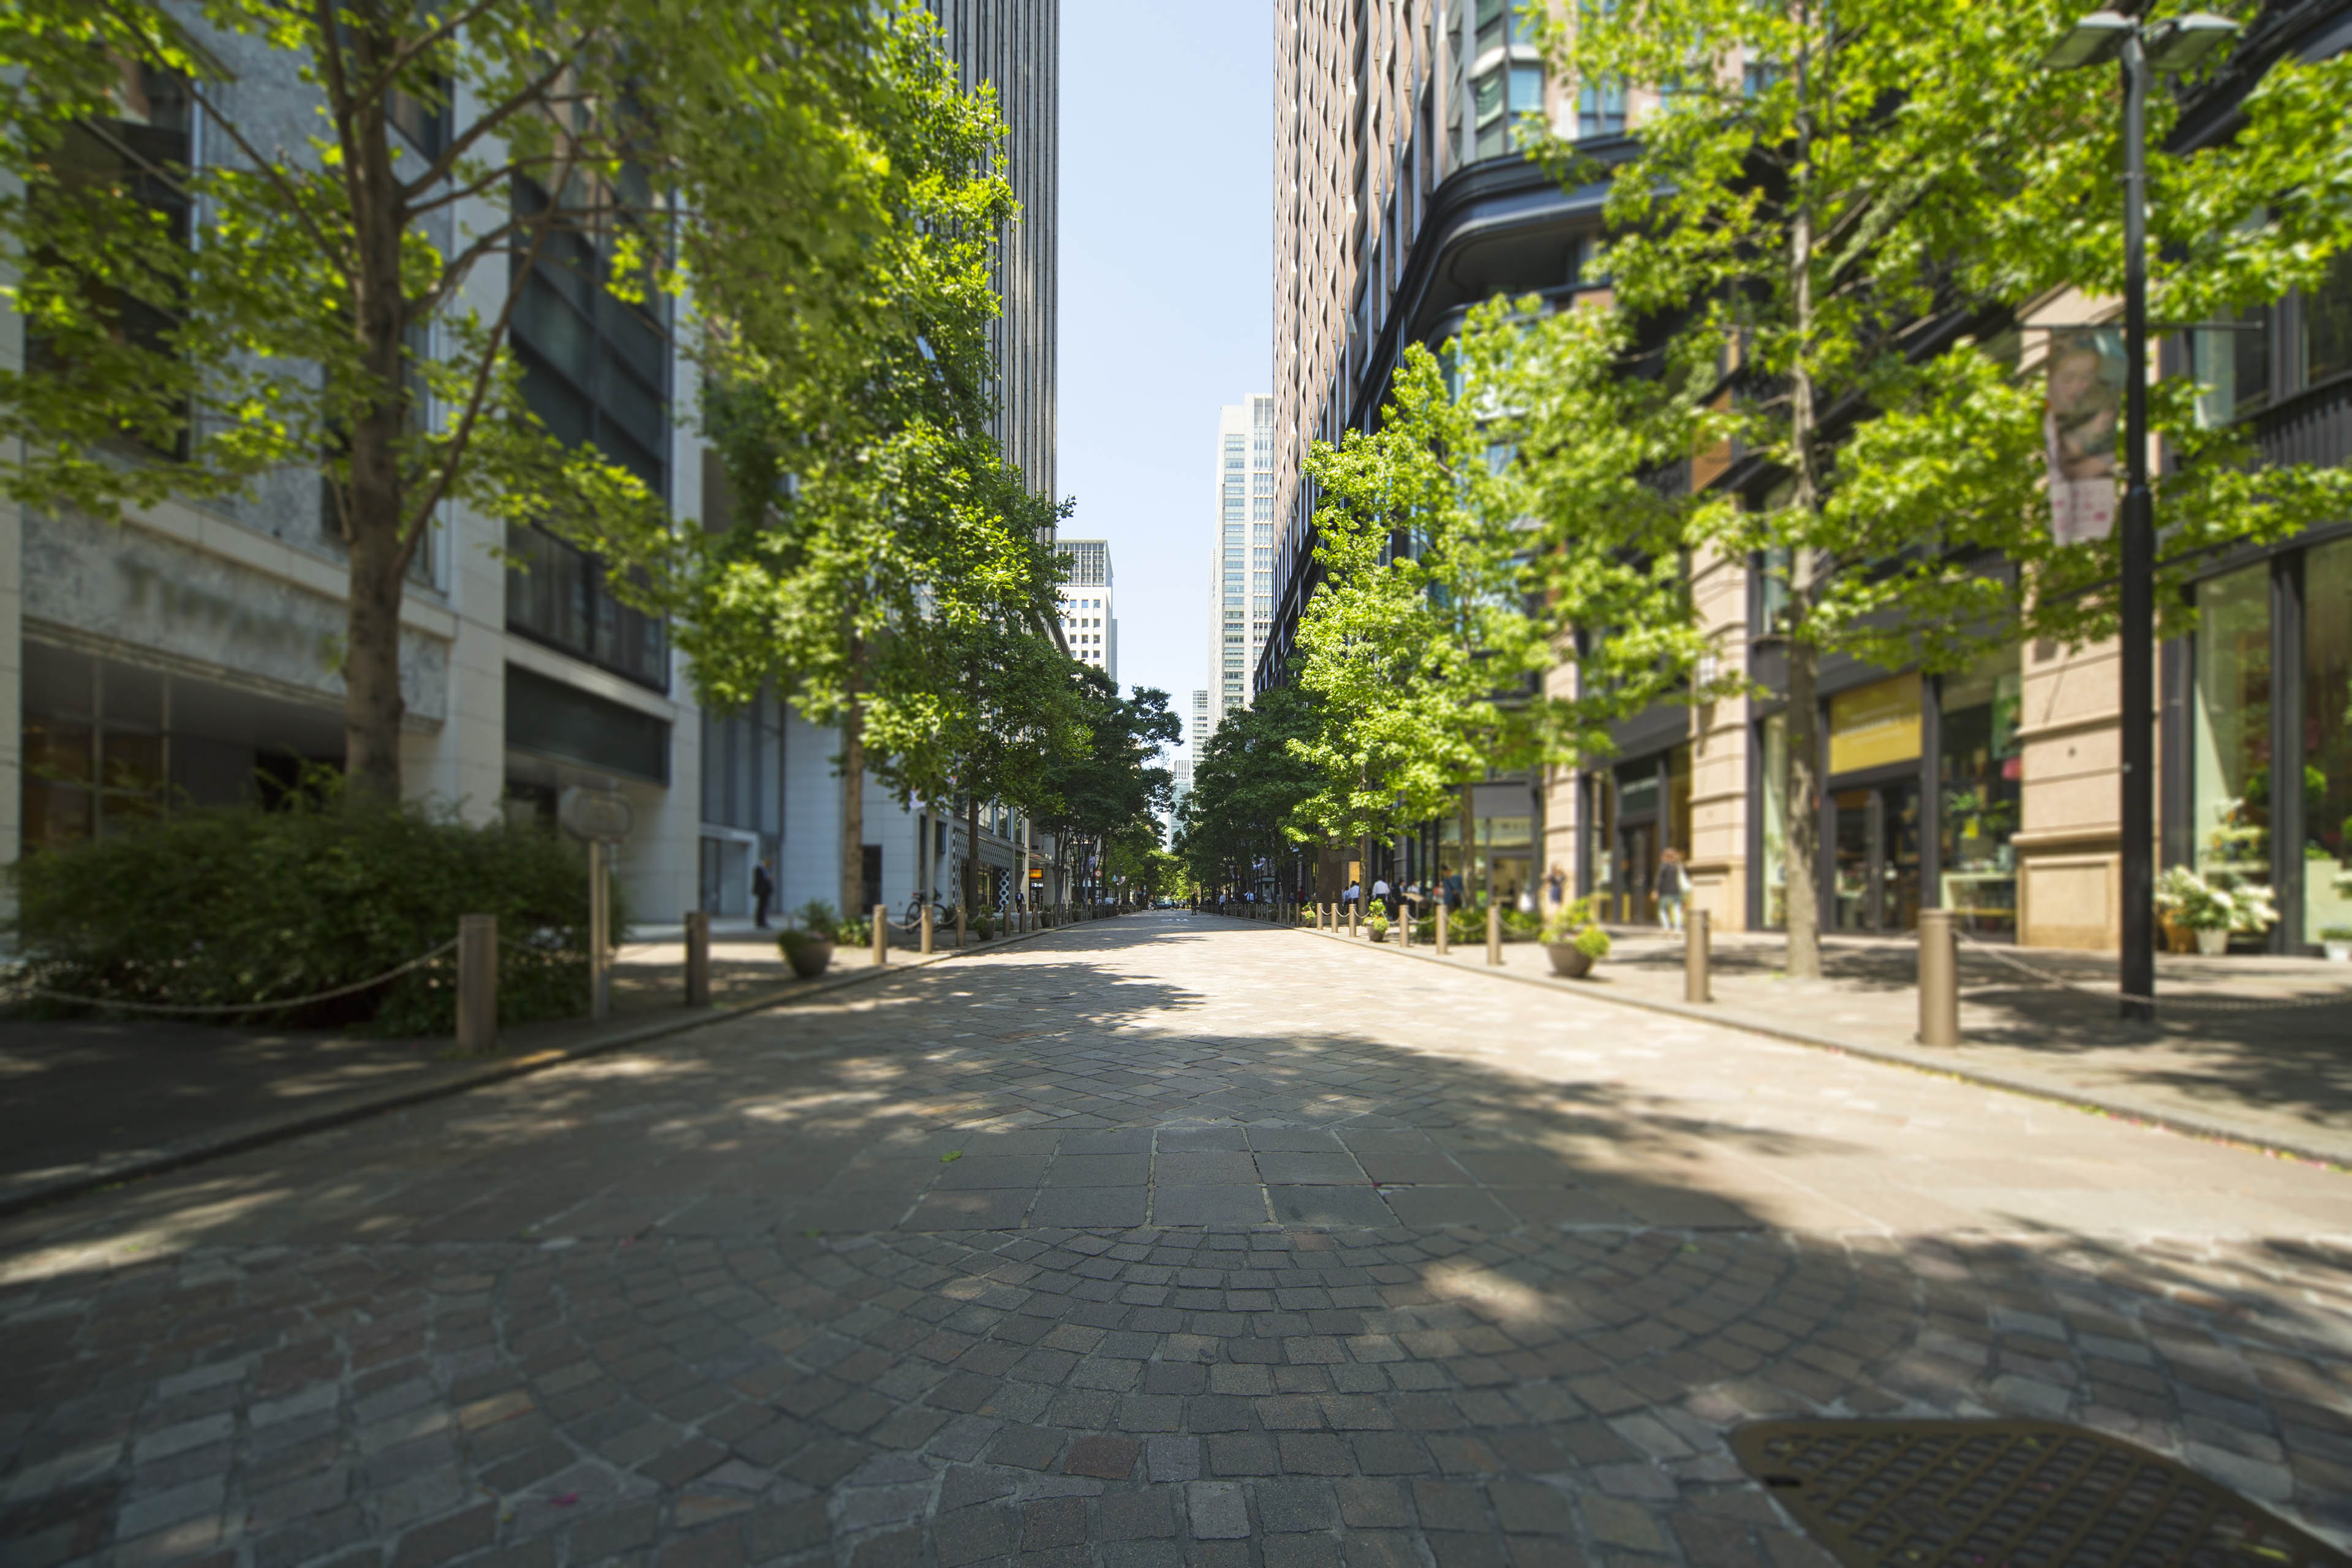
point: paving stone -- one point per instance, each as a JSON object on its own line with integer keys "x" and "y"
{"x": 1534, "y": 1340}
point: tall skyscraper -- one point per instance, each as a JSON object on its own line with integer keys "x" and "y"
{"x": 1240, "y": 593}
{"x": 1087, "y": 620}
{"x": 1016, "y": 44}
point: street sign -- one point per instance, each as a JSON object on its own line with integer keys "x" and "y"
{"x": 599, "y": 816}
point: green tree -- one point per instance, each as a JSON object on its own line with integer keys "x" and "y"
{"x": 879, "y": 542}
{"x": 1827, "y": 202}
{"x": 323, "y": 291}
{"x": 1108, "y": 787}
{"x": 1249, "y": 784}
{"x": 1495, "y": 514}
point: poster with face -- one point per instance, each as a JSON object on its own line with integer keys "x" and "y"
{"x": 2080, "y": 429}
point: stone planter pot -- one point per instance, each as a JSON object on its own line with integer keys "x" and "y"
{"x": 1569, "y": 961}
{"x": 1380, "y": 936}
{"x": 2177, "y": 938}
{"x": 2337, "y": 952}
{"x": 808, "y": 959}
{"x": 2213, "y": 943}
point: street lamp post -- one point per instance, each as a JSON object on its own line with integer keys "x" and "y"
{"x": 2173, "y": 45}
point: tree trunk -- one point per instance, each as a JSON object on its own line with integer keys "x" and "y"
{"x": 375, "y": 499}
{"x": 970, "y": 854}
{"x": 1802, "y": 810}
{"x": 1469, "y": 841}
{"x": 852, "y": 807}
{"x": 1803, "y": 802}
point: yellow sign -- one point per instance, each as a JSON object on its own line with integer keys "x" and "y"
{"x": 1874, "y": 725}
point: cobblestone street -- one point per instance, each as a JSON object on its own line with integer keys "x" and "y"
{"x": 1168, "y": 1240}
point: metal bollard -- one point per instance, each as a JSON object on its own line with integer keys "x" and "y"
{"x": 959, "y": 926}
{"x": 1404, "y": 924}
{"x": 1443, "y": 945}
{"x": 478, "y": 983}
{"x": 698, "y": 958}
{"x": 881, "y": 934}
{"x": 1494, "y": 933}
{"x": 927, "y": 930}
{"x": 1939, "y": 981}
{"x": 1697, "y": 979}
{"x": 1351, "y": 921}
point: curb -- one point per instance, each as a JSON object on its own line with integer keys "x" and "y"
{"x": 2212, "y": 1130}
{"x": 254, "y": 1135}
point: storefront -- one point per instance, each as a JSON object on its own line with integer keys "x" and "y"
{"x": 1923, "y": 783}
{"x": 2265, "y": 747}
{"x": 1636, "y": 811}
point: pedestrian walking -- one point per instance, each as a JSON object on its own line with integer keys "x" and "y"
{"x": 1381, "y": 896}
{"x": 763, "y": 887}
{"x": 1454, "y": 891}
{"x": 1672, "y": 887}
{"x": 1556, "y": 886}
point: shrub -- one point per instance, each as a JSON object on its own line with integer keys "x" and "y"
{"x": 1567, "y": 920}
{"x": 239, "y": 904}
{"x": 1593, "y": 942}
{"x": 817, "y": 921}
{"x": 856, "y": 932}
{"x": 1377, "y": 923}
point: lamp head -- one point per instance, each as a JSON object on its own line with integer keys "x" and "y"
{"x": 2181, "y": 44}
{"x": 2094, "y": 40}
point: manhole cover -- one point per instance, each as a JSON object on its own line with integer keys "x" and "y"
{"x": 1992, "y": 1494}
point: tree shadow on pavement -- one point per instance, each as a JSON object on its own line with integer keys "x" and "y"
{"x": 1040, "y": 1255}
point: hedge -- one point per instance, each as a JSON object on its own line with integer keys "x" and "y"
{"x": 243, "y": 904}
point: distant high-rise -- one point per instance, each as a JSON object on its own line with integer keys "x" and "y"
{"x": 1016, "y": 45}
{"x": 1087, "y": 624}
{"x": 1241, "y": 549}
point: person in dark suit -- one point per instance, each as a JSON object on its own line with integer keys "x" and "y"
{"x": 763, "y": 887}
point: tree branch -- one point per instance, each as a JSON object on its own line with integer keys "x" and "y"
{"x": 464, "y": 142}
{"x": 453, "y": 454}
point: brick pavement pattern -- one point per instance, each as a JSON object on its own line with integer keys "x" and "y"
{"x": 1166, "y": 1241}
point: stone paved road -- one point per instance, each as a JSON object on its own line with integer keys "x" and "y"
{"x": 1167, "y": 1241}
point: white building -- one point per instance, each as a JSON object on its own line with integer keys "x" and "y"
{"x": 1088, "y": 621}
{"x": 1240, "y": 549}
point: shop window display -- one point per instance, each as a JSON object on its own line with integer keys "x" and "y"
{"x": 2327, "y": 738}
{"x": 1980, "y": 775}
{"x": 2232, "y": 783}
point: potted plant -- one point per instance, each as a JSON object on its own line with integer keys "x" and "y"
{"x": 2336, "y": 942}
{"x": 1573, "y": 941}
{"x": 2212, "y": 909}
{"x": 807, "y": 945}
{"x": 1377, "y": 925}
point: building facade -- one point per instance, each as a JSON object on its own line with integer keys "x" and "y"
{"x": 1014, "y": 48}
{"x": 1241, "y": 553}
{"x": 1993, "y": 791}
{"x": 191, "y": 655}
{"x": 1400, "y": 201}
{"x": 1088, "y": 623}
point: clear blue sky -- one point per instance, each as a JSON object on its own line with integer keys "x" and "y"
{"x": 1167, "y": 313}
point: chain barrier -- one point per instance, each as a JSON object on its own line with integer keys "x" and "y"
{"x": 2183, "y": 1004}
{"x": 421, "y": 959}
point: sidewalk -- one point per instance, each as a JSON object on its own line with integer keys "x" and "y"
{"x": 2281, "y": 1080}
{"x": 91, "y": 1101}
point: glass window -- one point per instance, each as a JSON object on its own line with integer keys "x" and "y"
{"x": 1601, "y": 108}
{"x": 2230, "y": 785}
{"x": 1487, "y": 92}
{"x": 2327, "y": 324}
{"x": 2327, "y": 738}
{"x": 1526, "y": 89}
{"x": 2232, "y": 367}
{"x": 1981, "y": 769}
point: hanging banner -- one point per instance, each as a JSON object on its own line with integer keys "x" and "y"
{"x": 2079, "y": 427}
